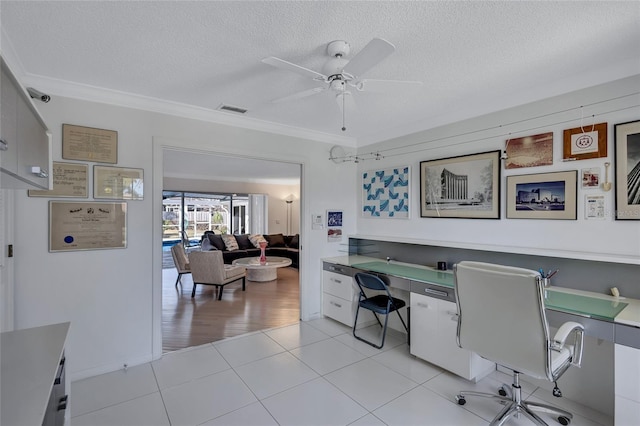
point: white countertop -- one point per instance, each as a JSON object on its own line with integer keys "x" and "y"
{"x": 29, "y": 363}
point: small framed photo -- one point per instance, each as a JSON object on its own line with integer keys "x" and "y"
{"x": 529, "y": 151}
{"x": 584, "y": 142}
{"x": 591, "y": 177}
{"x": 627, "y": 155}
{"x": 467, "y": 186}
{"x": 542, "y": 196}
{"x": 118, "y": 183}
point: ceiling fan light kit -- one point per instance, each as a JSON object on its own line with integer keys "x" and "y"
{"x": 338, "y": 73}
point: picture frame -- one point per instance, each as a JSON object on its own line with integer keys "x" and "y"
{"x": 584, "y": 142}
{"x": 89, "y": 144}
{"x": 70, "y": 180}
{"x": 118, "y": 183}
{"x": 334, "y": 226}
{"x": 543, "y": 196}
{"x": 466, "y": 186}
{"x": 590, "y": 178}
{"x": 87, "y": 225}
{"x": 529, "y": 151}
{"x": 627, "y": 170}
{"x": 386, "y": 193}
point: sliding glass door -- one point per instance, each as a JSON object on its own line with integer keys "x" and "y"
{"x": 191, "y": 214}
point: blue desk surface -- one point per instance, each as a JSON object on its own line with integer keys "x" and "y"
{"x": 577, "y": 304}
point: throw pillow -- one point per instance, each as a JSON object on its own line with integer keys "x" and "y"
{"x": 230, "y": 242}
{"x": 216, "y": 241}
{"x": 243, "y": 242}
{"x": 294, "y": 243}
{"x": 275, "y": 240}
{"x": 256, "y": 239}
{"x": 206, "y": 245}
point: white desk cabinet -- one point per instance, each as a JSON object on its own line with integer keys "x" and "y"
{"x": 338, "y": 294}
{"x": 26, "y": 142}
{"x": 433, "y": 338}
{"x": 627, "y": 385}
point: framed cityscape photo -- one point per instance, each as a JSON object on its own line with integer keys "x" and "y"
{"x": 627, "y": 148}
{"x": 467, "y": 186}
{"x": 543, "y": 196}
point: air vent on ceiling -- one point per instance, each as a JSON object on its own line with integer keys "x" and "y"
{"x": 231, "y": 108}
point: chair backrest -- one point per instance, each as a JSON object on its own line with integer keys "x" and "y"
{"x": 501, "y": 316}
{"x": 370, "y": 281}
{"x": 207, "y": 267}
{"x": 180, "y": 258}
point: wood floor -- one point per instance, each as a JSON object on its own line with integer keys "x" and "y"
{"x": 204, "y": 319}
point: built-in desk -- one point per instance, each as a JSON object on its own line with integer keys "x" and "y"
{"x": 609, "y": 318}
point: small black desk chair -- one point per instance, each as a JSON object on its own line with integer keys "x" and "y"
{"x": 382, "y": 304}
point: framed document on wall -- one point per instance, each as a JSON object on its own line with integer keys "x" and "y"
{"x": 89, "y": 144}
{"x": 69, "y": 181}
{"x": 83, "y": 225}
{"x": 118, "y": 183}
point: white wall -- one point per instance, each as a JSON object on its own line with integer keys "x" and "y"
{"x": 617, "y": 241}
{"x": 277, "y": 208}
{"x": 113, "y": 297}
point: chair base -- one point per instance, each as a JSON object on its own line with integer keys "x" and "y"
{"x": 514, "y": 405}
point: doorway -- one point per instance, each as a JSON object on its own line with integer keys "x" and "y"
{"x": 203, "y": 319}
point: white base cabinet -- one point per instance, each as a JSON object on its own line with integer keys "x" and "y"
{"x": 338, "y": 297}
{"x": 627, "y": 385}
{"x": 433, "y": 338}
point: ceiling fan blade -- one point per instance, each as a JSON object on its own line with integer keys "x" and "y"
{"x": 282, "y": 64}
{"x": 385, "y": 85}
{"x": 299, "y": 95}
{"x": 371, "y": 55}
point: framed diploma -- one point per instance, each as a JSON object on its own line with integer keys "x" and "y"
{"x": 89, "y": 144}
{"x": 69, "y": 180}
{"x": 83, "y": 225}
{"x": 118, "y": 183}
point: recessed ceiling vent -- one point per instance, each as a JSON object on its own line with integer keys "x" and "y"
{"x": 230, "y": 108}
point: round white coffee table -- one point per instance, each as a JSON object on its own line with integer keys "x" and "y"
{"x": 262, "y": 273}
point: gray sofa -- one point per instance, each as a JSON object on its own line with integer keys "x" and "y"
{"x": 277, "y": 245}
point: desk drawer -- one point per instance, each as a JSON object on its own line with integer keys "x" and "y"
{"x": 432, "y": 290}
{"x": 338, "y": 309}
{"x": 338, "y": 269}
{"x": 337, "y": 285}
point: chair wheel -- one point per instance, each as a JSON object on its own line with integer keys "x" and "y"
{"x": 460, "y": 400}
{"x": 502, "y": 391}
{"x": 564, "y": 420}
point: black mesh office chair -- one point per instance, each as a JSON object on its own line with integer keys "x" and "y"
{"x": 382, "y": 304}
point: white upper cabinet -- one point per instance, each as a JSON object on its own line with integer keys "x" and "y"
{"x": 25, "y": 150}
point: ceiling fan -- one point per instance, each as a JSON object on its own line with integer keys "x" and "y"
{"x": 339, "y": 74}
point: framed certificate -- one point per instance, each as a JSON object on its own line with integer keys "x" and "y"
{"x": 89, "y": 144}
{"x": 118, "y": 183}
{"x": 69, "y": 180}
{"x": 83, "y": 225}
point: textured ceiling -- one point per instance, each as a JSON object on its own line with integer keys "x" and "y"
{"x": 473, "y": 57}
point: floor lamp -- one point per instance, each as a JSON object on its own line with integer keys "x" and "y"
{"x": 288, "y": 216}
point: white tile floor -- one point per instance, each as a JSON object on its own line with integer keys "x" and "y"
{"x": 311, "y": 373}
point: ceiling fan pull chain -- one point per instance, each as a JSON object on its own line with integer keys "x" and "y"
{"x": 343, "y": 125}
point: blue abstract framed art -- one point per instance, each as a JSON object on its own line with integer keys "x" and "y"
{"x": 385, "y": 193}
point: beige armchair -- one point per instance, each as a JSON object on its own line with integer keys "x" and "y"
{"x": 208, "y": 268}
{"x": 181, "y": 261}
